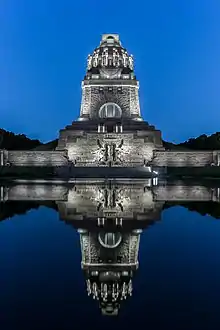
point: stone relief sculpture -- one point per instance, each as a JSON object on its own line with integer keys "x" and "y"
{"x": 89, "y": 62}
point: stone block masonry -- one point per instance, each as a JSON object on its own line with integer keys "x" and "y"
{"x": 186, "y": 158}
{"x": 32, "y": 158}
{"x": 38, "y": 192}
{"x": 93, "y": 97}
{"x": 184, "y": 193}
{"x": 84, "y": 197}
{"x": 87, "y": 153}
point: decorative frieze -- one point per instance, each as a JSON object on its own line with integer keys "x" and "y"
{"x": 86, "y": 101}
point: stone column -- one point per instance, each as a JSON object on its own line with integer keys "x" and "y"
{"x": 134, "y": 101}
{"x": 86, "y": 101}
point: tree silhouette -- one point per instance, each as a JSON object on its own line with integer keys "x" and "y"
{"x": 11, "y": 141}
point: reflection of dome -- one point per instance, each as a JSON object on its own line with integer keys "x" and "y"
{"x": 110, "y": 110}
{"x": 109, "y": 276}
{"x": 109, "y": 240}
{"x": 110, "y": 288}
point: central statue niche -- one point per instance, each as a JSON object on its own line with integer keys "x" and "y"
{"x": 110, "y": 110}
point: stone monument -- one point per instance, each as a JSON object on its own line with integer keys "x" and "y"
{"x": 110, "y": 131}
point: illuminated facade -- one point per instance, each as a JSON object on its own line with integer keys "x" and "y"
{"x": 110, "y": 131}
{"x": 110, "y": 216}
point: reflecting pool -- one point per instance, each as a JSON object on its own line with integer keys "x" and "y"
{"x": 110, "y": 253}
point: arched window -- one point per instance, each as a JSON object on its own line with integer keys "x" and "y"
{"x": 109, "y": 240}
{"x": 110, "y": 110}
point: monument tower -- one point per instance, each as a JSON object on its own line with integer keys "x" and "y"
{"x": 110, "y": 131}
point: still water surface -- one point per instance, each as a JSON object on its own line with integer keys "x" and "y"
{"x": 177, "y": 284}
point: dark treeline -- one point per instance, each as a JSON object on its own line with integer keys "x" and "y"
{"x": 11, "y": 141}
{"x": 202, "y": 142}
{"x": 12, "y": 208}
{"x": 204, "y": 208}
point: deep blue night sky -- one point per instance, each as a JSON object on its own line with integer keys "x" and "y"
{"x": 43, "y": 50}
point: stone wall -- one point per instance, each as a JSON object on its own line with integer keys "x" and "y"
{"x": 37, "y": 192}
{"x": 124, "y": 150}
{"x": 186, "y": 158}
{"x": 93, "y": 97}
{"x": 32, "y": 158}
{"x": 186, "y": 193}
{"x": 92, "y": 251}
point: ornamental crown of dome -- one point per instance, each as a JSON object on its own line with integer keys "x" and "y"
{"x": 110, "y": 55}
{"x": 110, "y": 290}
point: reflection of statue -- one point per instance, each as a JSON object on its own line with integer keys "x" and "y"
{"x": 126, "y": 200}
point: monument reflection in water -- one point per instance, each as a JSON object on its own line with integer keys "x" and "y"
{"x": 109, "y": 216}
